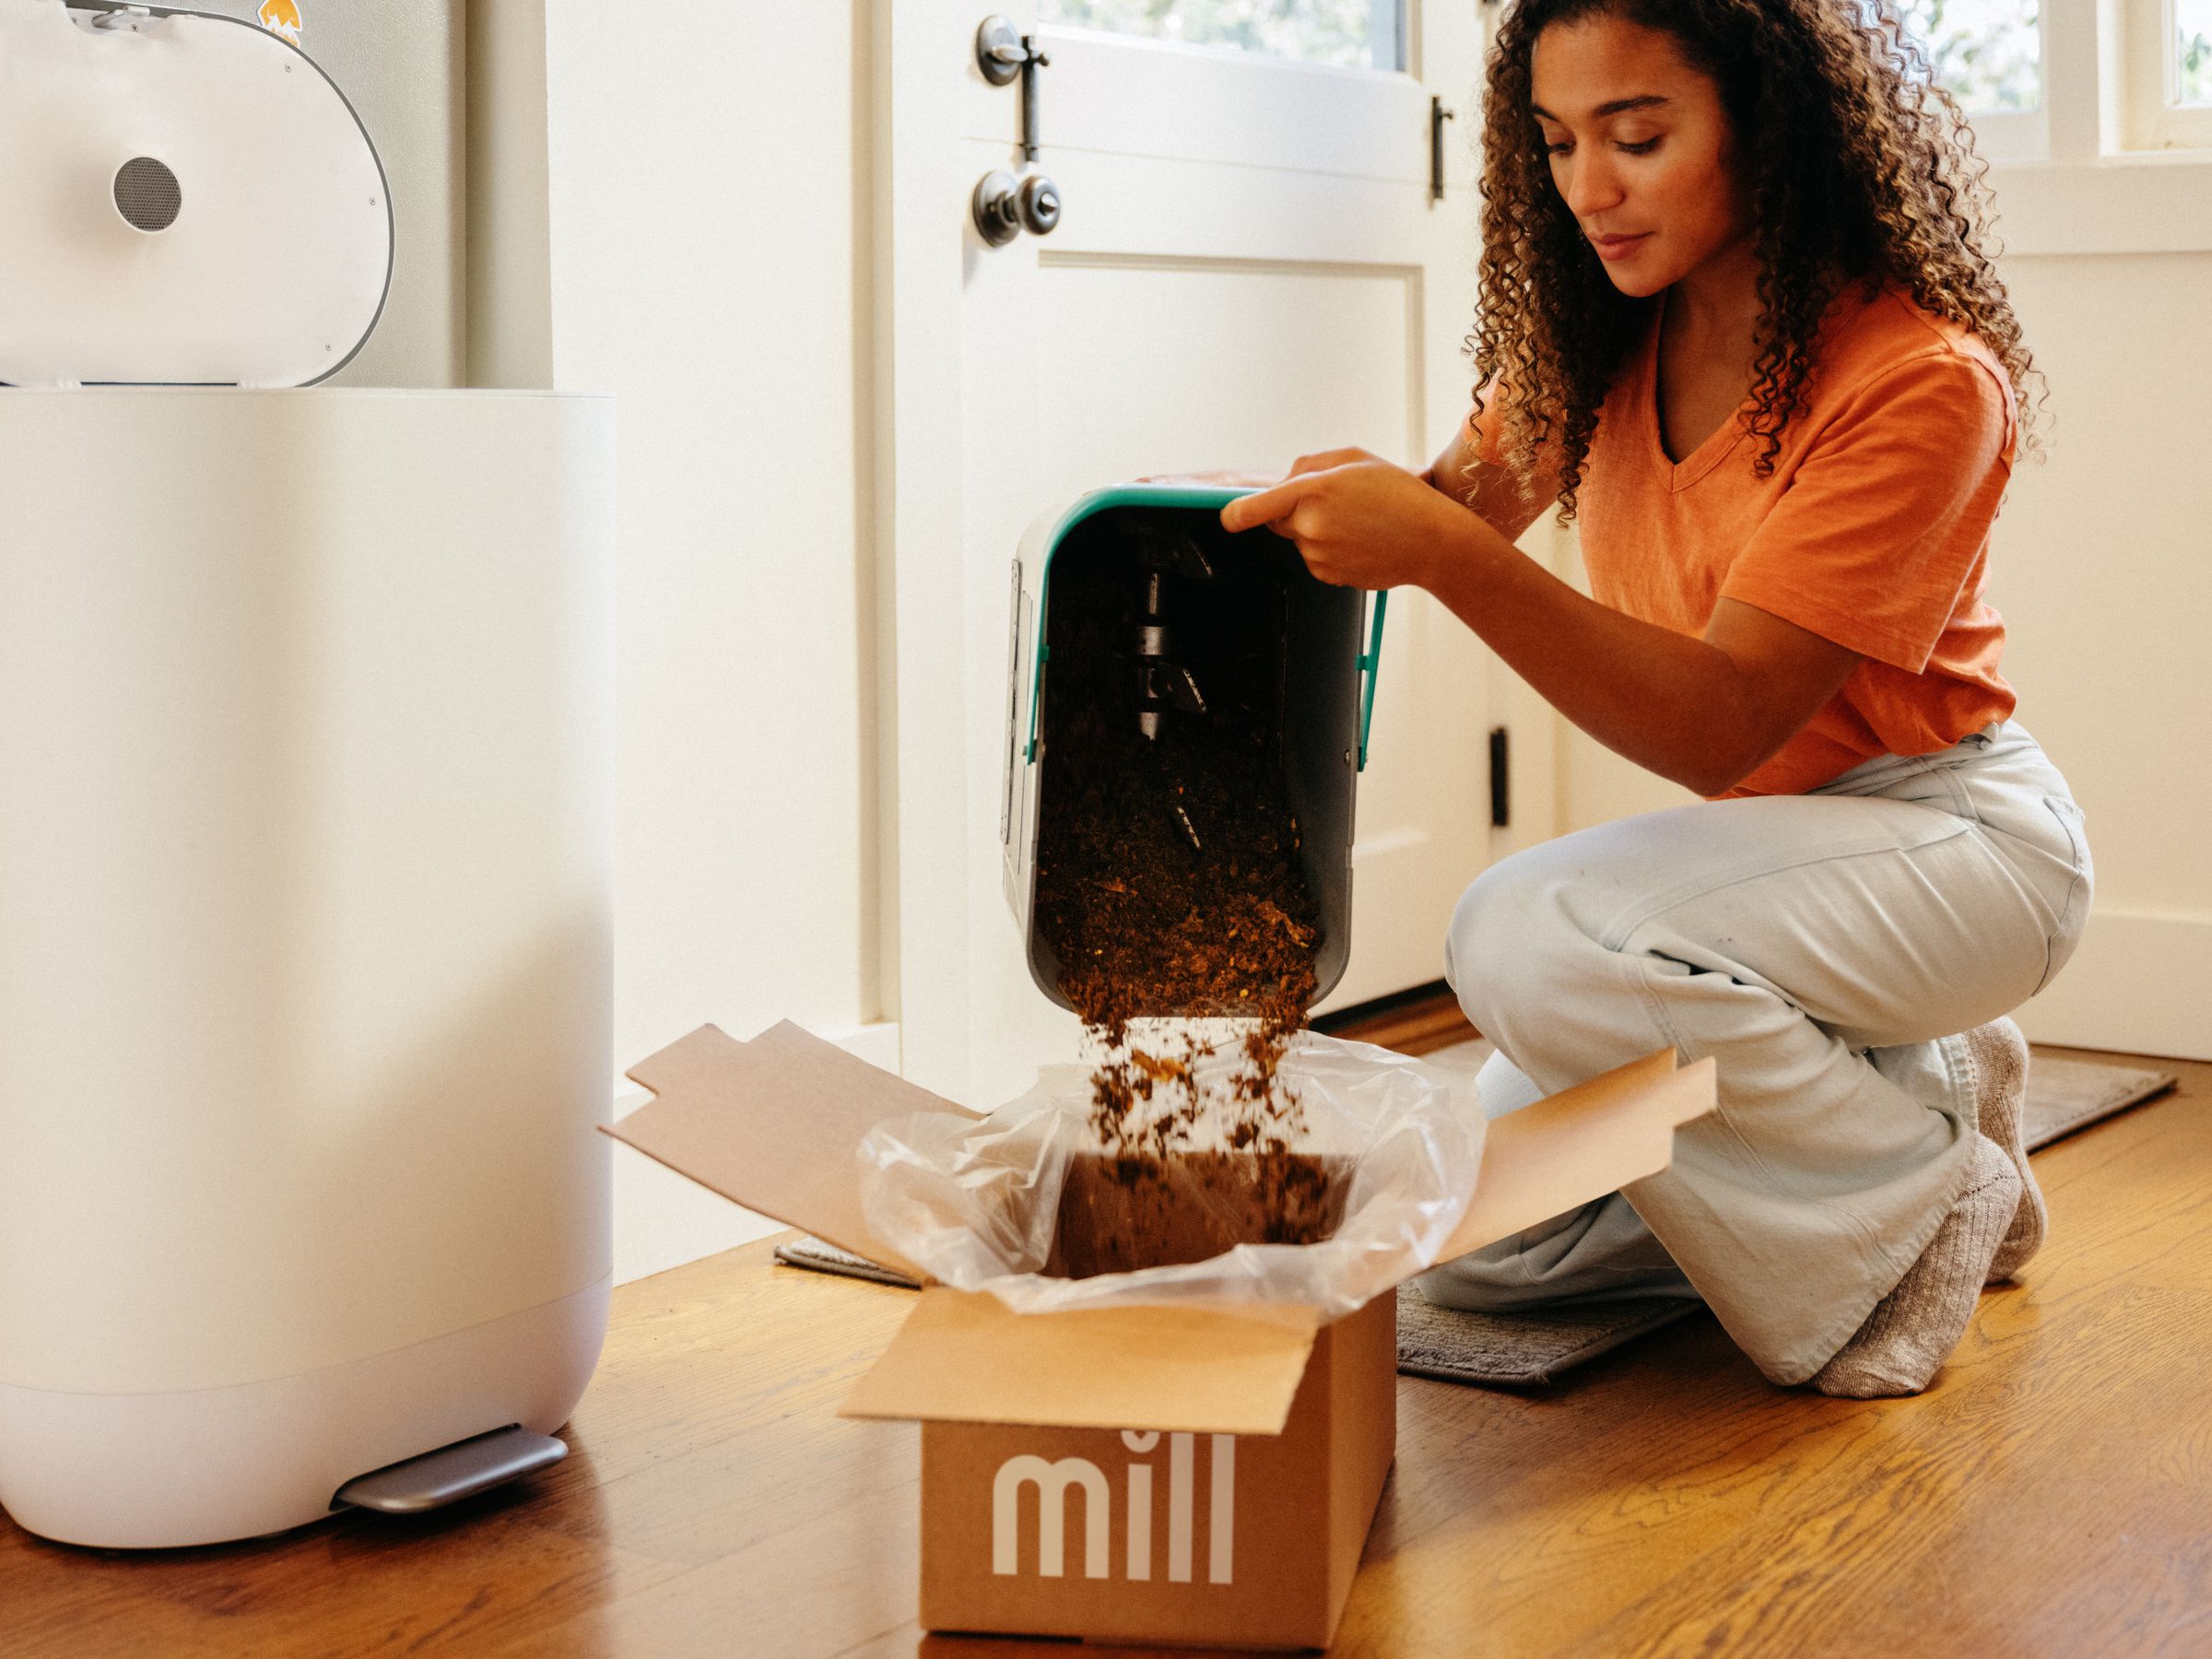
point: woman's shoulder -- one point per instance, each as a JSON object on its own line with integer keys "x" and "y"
{"x": 1883, "y": 338}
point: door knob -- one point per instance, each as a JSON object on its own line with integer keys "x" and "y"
{"x": 1039, "y": 200}
{"x": 1005, "y": 207}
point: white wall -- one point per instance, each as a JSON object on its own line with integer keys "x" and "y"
{"x": 2103, "y": 569}
{"x": 1593, "y": 785}
{"x": 709, "y": 260}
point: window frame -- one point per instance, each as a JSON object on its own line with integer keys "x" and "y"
{"x": 1394, "y": 22}
{"x": 2153, "y": 119}
{"x": 2012, "y": 135}
{"x": 2021, "y": 135}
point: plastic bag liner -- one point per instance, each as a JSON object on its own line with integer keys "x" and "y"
{"x": 978, "y": 1204}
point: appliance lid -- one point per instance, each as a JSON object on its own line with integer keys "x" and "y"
{"x": 185, "y": 198}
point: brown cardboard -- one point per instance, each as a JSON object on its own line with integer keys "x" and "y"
{"x": 965, "y": 1357}
{"x": 1538, "y": 1162}
{"x": 1110, "y": 1405}
{"x": 1363, "y": 1439}
{"x": 773, "y": 1125}
{"x": 1216, "y": 1539}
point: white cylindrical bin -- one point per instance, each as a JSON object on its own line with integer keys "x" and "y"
{"x": 305, "y": 771}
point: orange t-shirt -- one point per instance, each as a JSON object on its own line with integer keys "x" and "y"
{"x": 1871, "y": 530}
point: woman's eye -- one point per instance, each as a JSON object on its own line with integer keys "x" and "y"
{"x": 1643, "y": 147}
{"x": 1561, "y": 148}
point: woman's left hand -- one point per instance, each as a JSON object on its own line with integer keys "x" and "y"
{"x": 1358, "y": 521}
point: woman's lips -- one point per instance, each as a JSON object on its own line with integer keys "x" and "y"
{"x": 1618, "y": 247}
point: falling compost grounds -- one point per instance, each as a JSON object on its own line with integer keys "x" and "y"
{"x": 1169, "y": 889}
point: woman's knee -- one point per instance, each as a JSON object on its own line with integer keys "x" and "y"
{"x": 1510, "y": 941}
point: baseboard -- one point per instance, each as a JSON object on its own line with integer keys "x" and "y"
{"x": 2140, "y": 983}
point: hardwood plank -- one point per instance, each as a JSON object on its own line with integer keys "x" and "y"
{"x": 458, "y": 1582}
{"x": 1412, "y": 1027}
{"x": 2045, "y": 1498}
{"x": 1698, "y": 1509}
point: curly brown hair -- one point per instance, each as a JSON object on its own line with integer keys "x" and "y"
{"x": 1858, "y": 168}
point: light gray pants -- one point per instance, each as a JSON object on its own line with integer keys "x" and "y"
{"x": 1825, "y": 948}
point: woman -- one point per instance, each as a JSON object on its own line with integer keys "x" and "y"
{"x": 1740, "y": 321}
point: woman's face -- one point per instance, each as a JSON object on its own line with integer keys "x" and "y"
{"x": 1641, "y": 149}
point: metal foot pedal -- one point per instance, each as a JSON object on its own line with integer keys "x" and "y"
{"x": 451, "y": 1473}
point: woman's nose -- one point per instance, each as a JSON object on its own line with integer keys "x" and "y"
{"x": 1591, "y": 185}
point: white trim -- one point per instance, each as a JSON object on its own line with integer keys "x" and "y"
{"x": 2185, "y": 127}
{"x": 2100, "y": 191}
{"x": 2131, "y": 204}
{"x": 2012, "y": 135}
{"x": 2023, "y": 135}
{"x": 2105, "y": 186}
{"x": 924, "y": 61}
{"x": 876, "y": 1042}
{"x": 2153, "y": 77}
{"x": 2140, "y": 983}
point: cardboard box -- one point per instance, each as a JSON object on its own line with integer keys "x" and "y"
{"x": 1148, "y": 1474}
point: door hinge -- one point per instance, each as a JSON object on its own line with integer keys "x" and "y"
{"x": 1501, "y": 778}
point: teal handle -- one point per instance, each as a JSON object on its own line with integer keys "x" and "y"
{"x": 1371, "y": 670}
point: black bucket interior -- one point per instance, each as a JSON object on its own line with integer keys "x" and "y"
{"x": 1272, "y": 653}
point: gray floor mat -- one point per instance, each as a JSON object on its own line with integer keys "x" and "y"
{"x": 1520, "y": 1350}
{"x": 2065, "y": 1095}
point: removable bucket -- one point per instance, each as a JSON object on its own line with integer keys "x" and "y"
{"x": 1238, "y": 618}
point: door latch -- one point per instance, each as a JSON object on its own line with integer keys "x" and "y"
{"x": 1004, "y": 206}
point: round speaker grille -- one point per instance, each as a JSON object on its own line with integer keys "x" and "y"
{"x": 147, "y": 194}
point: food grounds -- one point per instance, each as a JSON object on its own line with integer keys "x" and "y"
{"x": 1170, "y": 889}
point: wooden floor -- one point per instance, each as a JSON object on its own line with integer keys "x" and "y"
{"x": 1416, "y": 1023}
{"x": 2051, "y": 1495}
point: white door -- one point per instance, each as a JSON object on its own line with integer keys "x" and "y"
{"x": 1250, "y": 265}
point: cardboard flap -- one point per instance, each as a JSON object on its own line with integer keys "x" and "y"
{"x": 965, "y": 1357}
{"x": 772, "y": 1125}
{"x": 1581, "y": 1144}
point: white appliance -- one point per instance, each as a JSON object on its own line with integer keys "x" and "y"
{"x": 305, "y": 755}
{"x": 184, "y": 198}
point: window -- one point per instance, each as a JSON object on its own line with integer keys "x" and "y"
{"x": 2191, "y": 52}
{"x": 1351, "y": 33}
{"x": 1989, "y": 55}
{"x": 2170, "y": 74}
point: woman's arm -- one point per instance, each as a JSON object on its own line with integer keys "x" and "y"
{"x": 1493, "y": 493}
{"x": 1706, "y": 712}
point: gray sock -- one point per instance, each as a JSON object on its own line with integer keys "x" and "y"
{"x": 1999, "y": 1054}
{"x": 1913, "y": 1329}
